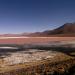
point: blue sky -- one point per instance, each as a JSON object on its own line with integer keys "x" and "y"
{"x": 17, "y": 16}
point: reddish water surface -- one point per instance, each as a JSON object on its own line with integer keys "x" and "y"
{"x": 34, "y": 40}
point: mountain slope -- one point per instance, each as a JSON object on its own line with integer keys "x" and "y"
{"x": 67, "y": 29}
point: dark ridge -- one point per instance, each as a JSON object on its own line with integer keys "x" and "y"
{"x": 67, "y": 29}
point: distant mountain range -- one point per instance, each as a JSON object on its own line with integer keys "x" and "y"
{"x": 67, "y": 29}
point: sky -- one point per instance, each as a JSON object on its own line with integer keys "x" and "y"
{"x": 17, "y": 16}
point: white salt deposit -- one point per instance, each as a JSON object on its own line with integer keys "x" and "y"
{"x": 27, "y": 56}
{"x": 8, "y": 47}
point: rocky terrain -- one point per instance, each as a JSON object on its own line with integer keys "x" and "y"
{"x": 55, "y": 58}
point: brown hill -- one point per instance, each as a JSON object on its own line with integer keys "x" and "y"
{"x": 67, "y": 29}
